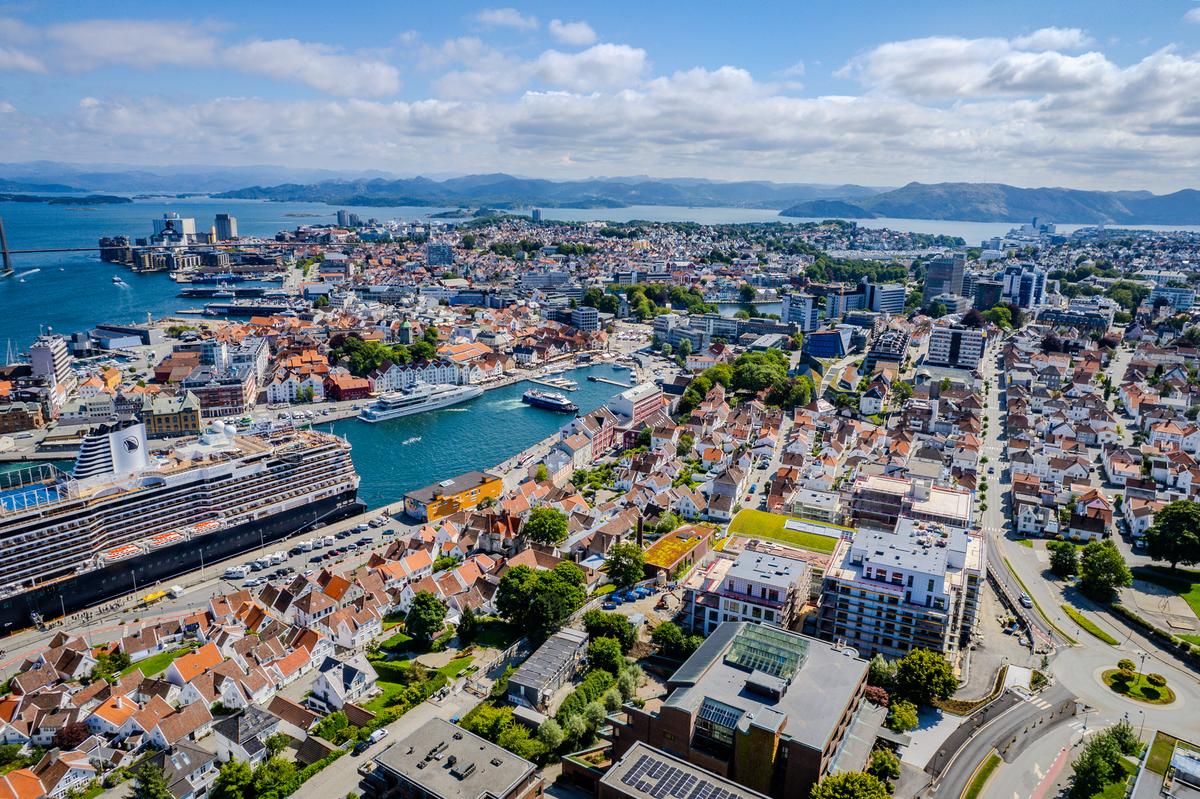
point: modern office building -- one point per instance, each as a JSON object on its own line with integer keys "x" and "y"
{"x": 51, "y": 361}
{"x": 173, "y": 229}
{"x": 801, "y": 310}
{"x": 956, "y": 346}
{"x": 1024, "y": 285}
{"x": 917, "y": 585}
{"x": 890, "y": 346}
{"x": 766, "y": 708}
{"x": 828, "y": 343}
{"x": 1181, "y": 299}
{"x": 988, "y": 294}
{"x": 343, "y": 218}
{"x": 757, "y": 586}
{"x": 884, "y": 297}
{"x": 226, "y": 225}
{"x": 944, "y": 275}
{"x": 585, "y": 318}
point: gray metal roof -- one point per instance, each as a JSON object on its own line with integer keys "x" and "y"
{"x": 449, "y": 762}
{"x": 539, "y": 670}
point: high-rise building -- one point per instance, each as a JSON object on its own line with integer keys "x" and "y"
{"x": 956, "y": 346}
{"x": 343, "y": 218}
{"x": 536, "y": 215}
{"x": 1024, "y": 285}
{"x": 944, "y": 275}
{"x": 585, "y": 319}
{"x": 884, "y": 297}
{"x": 173, "y": 229}
{"x": 226, "y": 225}
{"x": 51, "y": 361}
{"x": 988, "y": 294}
{"x": 801, "y": 310}
{"x": 439, "y": 254}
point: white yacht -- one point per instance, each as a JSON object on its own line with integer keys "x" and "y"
{"x": 421, "y": 397}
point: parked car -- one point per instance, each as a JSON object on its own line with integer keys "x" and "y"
{"x": 360, "y": 747}
{"x": 378, "y": 735}
{"x": 609, "y": 606}
{"x": 316, "y": 558}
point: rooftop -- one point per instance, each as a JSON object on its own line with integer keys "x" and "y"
{"x": 647, "y": 773}
{"x": 449, "y": 762}
{"x": 455, "y": 485}
{"x": 547, "y": 661}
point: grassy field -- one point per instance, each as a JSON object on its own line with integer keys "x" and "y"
{"x": 769, "y": 526}
{"x": 157, "y": 664}
{"x": 1160, "y": 753}
{"x": 1139, "y": 688}
{"x": 456, "y": 667}
{"x": 1116, "y": 790}
{"x": 1089, "y": 625}
{"x": 1185, "y": 582}
{"x": 398, "y": 641}
{"x": 982, "y": 776}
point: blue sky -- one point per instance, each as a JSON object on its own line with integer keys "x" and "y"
{"x": 1093, "y": 95}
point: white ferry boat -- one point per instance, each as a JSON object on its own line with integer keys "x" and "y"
{"x": 421, "y": 397}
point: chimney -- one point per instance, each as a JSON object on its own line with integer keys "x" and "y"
{"x": 639, "y": 531}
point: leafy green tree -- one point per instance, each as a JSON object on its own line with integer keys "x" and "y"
{"x": 235, "y": 780}
{"x": 272, "y": 778}
{"x": 605, "y": 653}
{"x": 542, "y": 474}
{"x": 902, "y": 716}
{"x": 276, "y": 743}
{"x": 1102, "y": 570}
{"x": 1095, "y": 767}
{"x": 467, "y": 242}
{"x": 426, "y": 616}
{"x": 850, "y": 785}
{"x": 545, "y": 526}
{"x": 601, "y": 624}
{"x": 515, "y": 591}
{"x": 551, "y": 734}
{"x": 884, "y": 765}
{"x": 1064, "y": 558}
{"x": 922, "y": 676}
{"x": 1175, "y": 534}
{"x": 626, "y": 563}
{"x": 468, "y": 626}
{"x": 150, "y": 784}
{"x": 881, "y": 673}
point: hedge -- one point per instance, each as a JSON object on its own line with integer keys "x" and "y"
{"x": 593, "y": 687}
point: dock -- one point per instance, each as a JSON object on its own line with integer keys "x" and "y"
{"x": 598, "y": 379}
{"x": 548, "y": 384}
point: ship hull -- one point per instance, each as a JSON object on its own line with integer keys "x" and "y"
{"x": 143, "y": 571}
{"x": 550, "y": 406}
{"x": 387, "y": 416}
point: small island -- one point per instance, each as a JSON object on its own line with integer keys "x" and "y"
{"x": 90, "y": 199}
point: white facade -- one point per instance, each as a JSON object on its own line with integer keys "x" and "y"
{"x": 960, "y": 347}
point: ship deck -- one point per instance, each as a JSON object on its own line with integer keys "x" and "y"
{"x": 27, "y": 496}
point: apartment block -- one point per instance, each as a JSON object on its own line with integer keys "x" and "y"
{"x": 756, "y": 586}
{"x": 956, "y": 346}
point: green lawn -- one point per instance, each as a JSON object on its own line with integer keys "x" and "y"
{"x": 769, "y": 526}
{"x": 156, "y": 664}
{"x": 1025, "y": 542}
{"x": 982, "y": 776}
{"x": 1089, "y": 625}
{"x": 394, "y": 619}
{"x": 1185, "y": 582}
{"x": 397, "y": 642}
{"x": 1139, "y": 688}
{"x": 1160, "y": 753}
{"x": 496, "y": 634}
{"x": 456, "y": 667}
{"x": 1116, "y": 790}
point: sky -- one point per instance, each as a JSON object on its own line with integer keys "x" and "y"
{"x": 1095, "y": 95}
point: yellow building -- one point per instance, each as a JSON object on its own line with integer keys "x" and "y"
{"x": 464, "y": 492}
{"x": 171, "y": 415}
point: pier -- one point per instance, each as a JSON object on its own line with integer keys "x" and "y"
{"x": 551, "y": 384}
{"x": 598, "y": 379}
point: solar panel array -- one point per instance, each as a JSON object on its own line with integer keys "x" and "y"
{"x": 664, "y": 781}
{"x": 719, "y": 713}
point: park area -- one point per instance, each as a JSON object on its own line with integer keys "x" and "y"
{"x": 813, "y": 536}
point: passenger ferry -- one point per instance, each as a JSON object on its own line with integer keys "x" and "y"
{"x": 127, "y": 517}
{"x": 421, "y": 397}
{"x": 549, "y": 400}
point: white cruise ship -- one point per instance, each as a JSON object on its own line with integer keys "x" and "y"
{"x": 421, "y": 397}
{"x": 129, "y": 516}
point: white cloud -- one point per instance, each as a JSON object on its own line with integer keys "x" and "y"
{"x": 601, "y": 66}
{"x": 136, "y": 43}
{"x": 1054, "y": 39}
{"x": 7, "y": 108}
{"x": 1193, "y": 15}
{"x": 317, "y": 65}
{"x": 577, "y": 34}
{"x": 14, "y": 30}
{"x": 15, "y": 60}
{"x": 507, "y": 18}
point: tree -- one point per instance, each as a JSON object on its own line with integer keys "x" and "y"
{"x": 1064, "y": 558}
{"x": 937, "y": 309}
{"x": 1000, "y": 317}
{"x": 467, "y": 242}
{"x": 71, "y": 735}
{"x": 672, "y": 642}
{"x": 276, "y": 743}
{"x": 884, "y": 765}
{"x": 1102, "y": 570}
{"x": 922, "y": 676}
{"x": 1096, "y": 766}
{"x": 426, "y": 616}
{"x": 551, "y": 735}
{"x": 545, "y": 526}
{"x": 1175, "y": 534}
{"x": 850, "y": 785}
{"x": 747, "y": 293}
{"x": 902, "y": 391}
{"x": 235, "y": 780}
{"x": 468, "y": 626}
{"x": 667, "y": 349}
{"x": 626, "y": 563}
{"x": 601, "y": 624}
{"x": 881, "y": 672}
{"x": 542, "y": 474}
{"x": 272, "y": 778}
{"x": 685, "y": 348}
{"x": 605, "y": 653}
{"x": 150, "y": 784}
{"x": 902, "y": 716}
{"x": 973, "y": 318}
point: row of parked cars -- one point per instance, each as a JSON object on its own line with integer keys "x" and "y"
{"x": 632, "y": 595}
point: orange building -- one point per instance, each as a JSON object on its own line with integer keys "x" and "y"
{"x": 464, "y": 492}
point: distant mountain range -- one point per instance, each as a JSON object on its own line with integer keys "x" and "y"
{"x": 973, "y": 202}
{"x": 997, "y": 202}
{"x": 506, "y": 191}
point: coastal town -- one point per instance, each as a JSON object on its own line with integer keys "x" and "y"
{"x": 808, "y": 503}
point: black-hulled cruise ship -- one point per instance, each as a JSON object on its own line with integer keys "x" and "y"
{"x": 127, "y": 517}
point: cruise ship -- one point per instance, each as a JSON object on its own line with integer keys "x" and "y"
{"x": 549, "y": 400}
{"x": 128, "y": 517}
{"x": 421, "y": 397}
